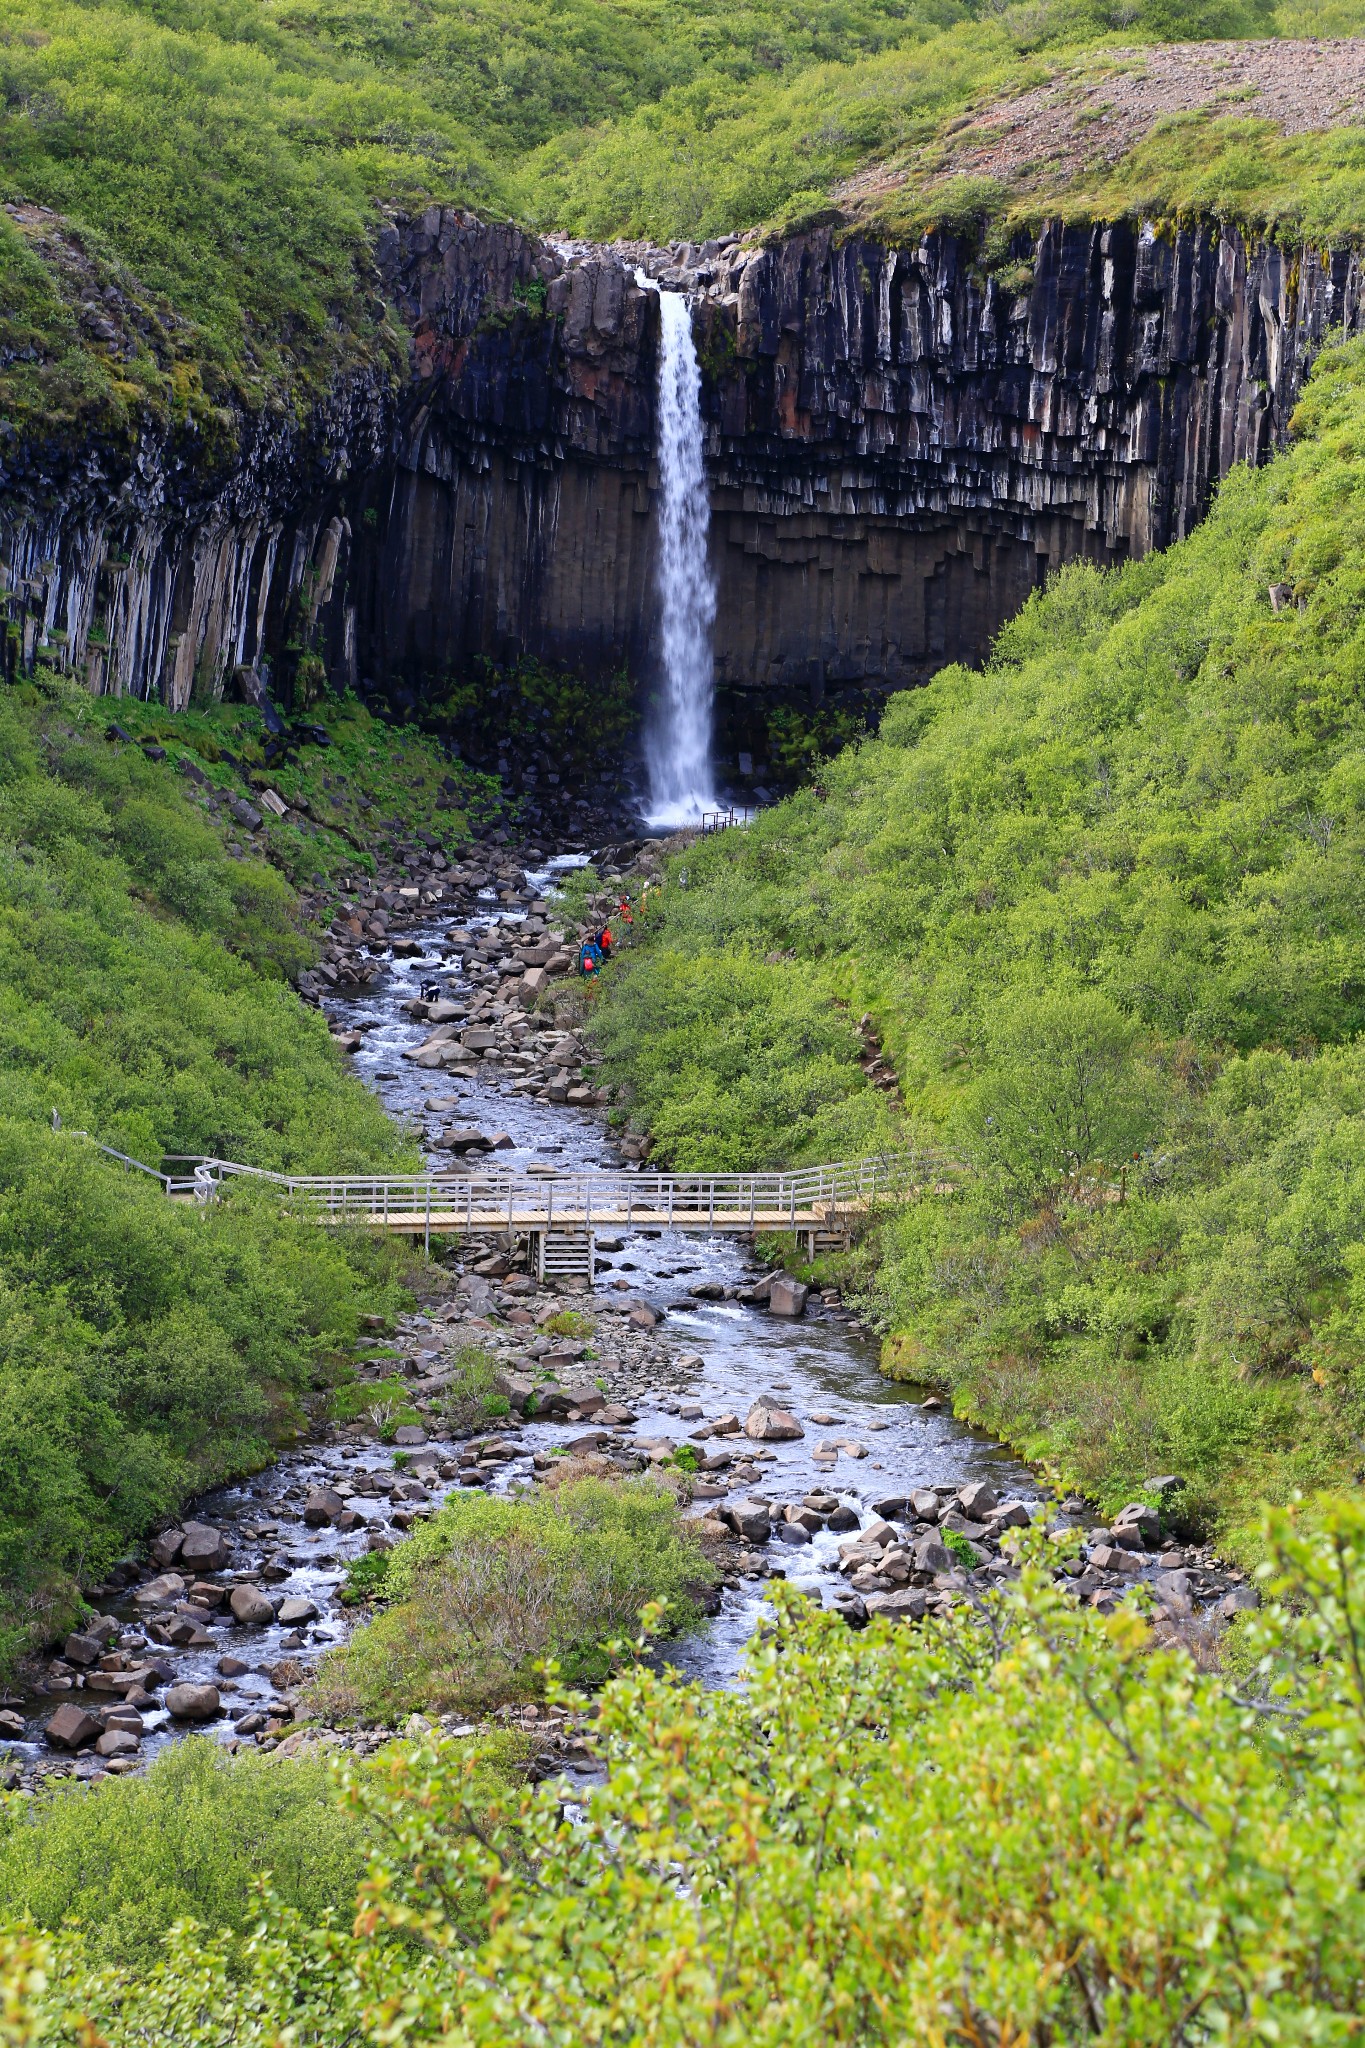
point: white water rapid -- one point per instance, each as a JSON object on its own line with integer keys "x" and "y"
{"x": 678, "y": 742}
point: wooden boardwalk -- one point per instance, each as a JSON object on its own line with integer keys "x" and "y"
{"x": 562, "y": 1214}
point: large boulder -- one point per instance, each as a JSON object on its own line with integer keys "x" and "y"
{"x": 203, "y": 1548}
{"x": 977, "y": 1500}
{"x": 322, "y": 1506}
{"x": 117, "y": 1742}
{"x": 1141, "y": 1520}
{"x": 251, "y": 1607}
{"x": 193, "y": 1703}
{"x": 72, "y": 1728}
{"x": 904, "y": 1604}
{"x": 158, "y": 1591}
{"x": 464, "y": 1138}
{"x": 765, "y": 1425}
{"x": 787, "y": 1297}
{"x": 748, "y": 1519}
{"x": 298, "y": 1608}
{"x": 1011, "y": 1514}
{"x": 516, "y": 1388}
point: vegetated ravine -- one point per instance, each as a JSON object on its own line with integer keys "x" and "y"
{"x": 703, "y": 1354}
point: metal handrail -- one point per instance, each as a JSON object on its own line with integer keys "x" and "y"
{"x": 491, "y": 1198}
{"x": 684, "y": 1197}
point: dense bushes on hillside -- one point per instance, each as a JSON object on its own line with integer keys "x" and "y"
{"x": 1032, "y": 1827}
{"x": 147, "y": 1349}
{"x": 1104, "y": 902}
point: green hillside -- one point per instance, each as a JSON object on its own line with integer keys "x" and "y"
{"x": 1104, "y": 902}
{"x": 148, "y": 1350}
{"x": 191, "y": 186}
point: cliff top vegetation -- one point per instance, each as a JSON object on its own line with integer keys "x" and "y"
{"x": 189, "y": 188}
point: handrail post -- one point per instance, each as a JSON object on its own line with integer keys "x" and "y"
{"x": 428, "y": 1230}
{"x": 711, "y": 1212}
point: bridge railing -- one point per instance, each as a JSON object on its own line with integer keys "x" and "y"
{"x": 485, "y": 1196}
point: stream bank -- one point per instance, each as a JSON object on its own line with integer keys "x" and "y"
{"x": 850, "y": 1496}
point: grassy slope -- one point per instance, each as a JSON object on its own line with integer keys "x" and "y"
{"x": 213, "y": 169}
{"x": 1105, "y": 903}
{"x": 147, "y": 1350}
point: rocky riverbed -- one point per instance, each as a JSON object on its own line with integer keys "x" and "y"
{"x": 758, "y": 1401}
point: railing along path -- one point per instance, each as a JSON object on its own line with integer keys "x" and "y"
{"x": 479, "y": 1201}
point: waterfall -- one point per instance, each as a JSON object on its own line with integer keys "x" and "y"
{"x": 678, "y": 741}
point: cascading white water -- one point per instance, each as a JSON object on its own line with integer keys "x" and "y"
{"x": 678, "y": 742}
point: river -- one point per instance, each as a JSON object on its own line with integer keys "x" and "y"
{"x": 714, "y": 1356}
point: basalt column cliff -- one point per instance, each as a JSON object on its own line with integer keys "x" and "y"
{"x": 900, "y": 446}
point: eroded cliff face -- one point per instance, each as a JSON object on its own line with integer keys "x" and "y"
{"x": 900, "y": 447}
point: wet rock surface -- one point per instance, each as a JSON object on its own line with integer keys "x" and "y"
{"x": 798, "y": 1459}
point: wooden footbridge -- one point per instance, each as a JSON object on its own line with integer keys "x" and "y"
{"x": 560, "y": 1215}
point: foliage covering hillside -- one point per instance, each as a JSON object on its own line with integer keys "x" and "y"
{"x": 1105, "y": 904}
{"x": 192, "y": 187}
{"x": 147, "y": 1349}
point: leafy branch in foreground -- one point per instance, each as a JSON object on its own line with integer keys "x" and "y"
{"x": 1035, "y": 1826}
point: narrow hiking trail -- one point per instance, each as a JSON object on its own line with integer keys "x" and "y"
{"x": 222, "y": 1634}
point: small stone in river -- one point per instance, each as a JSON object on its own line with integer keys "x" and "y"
{"x": 193, "y": 1702}
{"x": 232, "y": 1667}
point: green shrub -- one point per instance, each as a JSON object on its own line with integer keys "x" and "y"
{"x": 183, "y": 1841}
{"x": 1038, "y": 1825}
{"x": 489, "y": 1586}
{"x": 468, "y": 1398}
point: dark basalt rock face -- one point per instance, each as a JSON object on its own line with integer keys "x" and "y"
{"x": 900, "y": 448}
